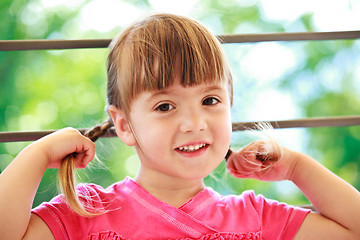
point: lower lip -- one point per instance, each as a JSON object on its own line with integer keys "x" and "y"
{"x": 194, "y": 153}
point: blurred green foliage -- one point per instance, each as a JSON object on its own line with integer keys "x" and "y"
{"x": 59, "y": 88}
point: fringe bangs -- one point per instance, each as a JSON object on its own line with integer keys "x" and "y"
{"x": 149, "y": 55}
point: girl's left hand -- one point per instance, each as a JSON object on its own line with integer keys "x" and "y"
{"x": 262, "y": 160}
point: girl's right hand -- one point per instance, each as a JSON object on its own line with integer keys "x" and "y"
{"x": 58, "y": 145}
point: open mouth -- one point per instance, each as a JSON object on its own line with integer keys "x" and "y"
{"x": 192, "y": 148}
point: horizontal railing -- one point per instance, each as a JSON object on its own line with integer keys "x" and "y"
{"x": 52, "y": 44}
{"x": 240, "y": 126}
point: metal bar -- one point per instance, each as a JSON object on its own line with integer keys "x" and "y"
{"x": 304, "y": 123}
{"x": 302, "y": 36}
{"x": 240, "y": 126}
{"x": 52, "y": 44}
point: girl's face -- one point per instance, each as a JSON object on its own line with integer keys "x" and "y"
{"x": 182, "y": 132}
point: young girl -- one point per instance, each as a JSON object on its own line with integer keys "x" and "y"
{"x": 169, "y": 95}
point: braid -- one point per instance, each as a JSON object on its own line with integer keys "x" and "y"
{"x": 98, "y": 131}
{"x": 66, "y": 175}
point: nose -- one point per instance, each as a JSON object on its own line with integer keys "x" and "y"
{"x": 193, "y": 120}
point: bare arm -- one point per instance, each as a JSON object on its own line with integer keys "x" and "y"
{"x": 337, "y": 202}
{"x": 20, "y": 180}
{"x": 18, "y": 185}
{"x": 38, "y": 229}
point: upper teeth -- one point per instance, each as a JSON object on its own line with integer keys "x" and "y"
{"x": 192, "y": 147}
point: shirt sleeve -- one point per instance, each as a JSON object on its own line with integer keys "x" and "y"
{"x": 278, "y": 219}
{"x": 63, "y": 222}
{"x": 53, "y": 214}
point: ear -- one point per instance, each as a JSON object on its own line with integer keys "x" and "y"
{"x": 121, "y": 125}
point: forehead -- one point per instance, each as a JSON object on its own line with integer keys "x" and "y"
{"x": 178, "y": 90}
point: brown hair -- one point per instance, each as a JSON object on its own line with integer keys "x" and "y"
{"x": 66, "y": 178}
{"x": 146, "y": 56}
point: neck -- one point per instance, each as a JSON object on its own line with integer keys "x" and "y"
{"x": 171, "y": 190}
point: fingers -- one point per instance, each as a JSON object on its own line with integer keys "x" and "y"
{"x": 249, "y": 161}
{"x": 82, "y": 157}
{"x": 65, "y": 142}
{"x": 84, "y": 150}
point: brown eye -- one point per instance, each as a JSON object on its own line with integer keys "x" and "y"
{"x": 210, "y": 101}
{"x": 164, "y": 107}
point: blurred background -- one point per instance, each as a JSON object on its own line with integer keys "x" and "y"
{"x": 41, "y": 90}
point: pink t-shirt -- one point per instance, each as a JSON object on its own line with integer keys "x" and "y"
{"x": 133, "y": 213}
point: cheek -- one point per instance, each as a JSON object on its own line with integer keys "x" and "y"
{"x": 227, "y": 134}
{"x": 151, "y": 135}
{"x": 223, "y": 130}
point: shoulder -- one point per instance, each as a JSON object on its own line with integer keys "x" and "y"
{"x": 274, "y": 218}
{"x": 64, "y": 222}
{"x": 246, "y": 204}
{"x": 247, "y": 198}
{"x": 92, "y": 195}
{"x": 97, "y": 196}
{"x": 91, "y": 189}
{"x": 250, "y": 199}
{"x": 263, "y": 208}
